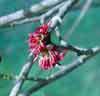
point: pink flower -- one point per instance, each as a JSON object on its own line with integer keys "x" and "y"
{"x": 50, "y": 56}
{"x": 42, "y": 29}
{"x": 36, "y": 39}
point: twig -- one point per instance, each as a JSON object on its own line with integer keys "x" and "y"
{"x": 34, "y": 10}
{"x": 79, "y": 6}
{"x": 57, "y": 19}
{"x": 65, "y": 71}
{"x": 67, "y": 5}
{"x": 45, "y": 15}
{"x": 23, "y": 74}
{"x": 79, "y": 18}
{"x": 6, "y": 76}
{"x": 85, "y": 8}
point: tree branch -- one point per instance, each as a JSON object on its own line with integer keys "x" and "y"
{"x": 57, "y": 19}
{"x": 45, "y": 15}
{"x": 65, "y": 71}
{"x": 6, "y": 76}
{"x": 83, "y": 12}
{"x": 19, "y": 17}
{"x": 23, "y": 74}
{"x": 34, "y": 10}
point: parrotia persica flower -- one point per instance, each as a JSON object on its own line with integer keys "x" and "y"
{"x": 49, "y": 54}
{"x": 37, "y": 39}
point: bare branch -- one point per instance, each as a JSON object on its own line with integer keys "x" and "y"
{"x": 85, "y": 8}
{"x": 12, "y": 20}
{"x": 23, "y": 74}
{"x": 79, "y": 6}
{"x": 6, "y": 76}
{"x": 62, "y": 11}
{"x": 44, "y": 16}
{"x": 63, "y": 8}
{"x": 83, "y": 12}
{"x": 65, "y": 71}
{"x": 34, "y": 10}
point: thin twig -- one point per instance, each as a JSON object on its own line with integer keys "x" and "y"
{"x": 23, "y": 74}
{"x": 83, "y": 12}
{"x": 34, "y": 10}
{"x": 6, "y": 76}
{"x": 65, "y": 71}
{"x": 30, "y": 19}
{"x": 45, "y": 15}
{"x": 79, "y": 6}
{"x": 57, "y": 19}
{"x": 62, "y": 40}
{"x": 63, "y": 8}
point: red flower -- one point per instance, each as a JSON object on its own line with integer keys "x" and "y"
{"x": 36, "y": 39}
{"x": 50, "y": 56}
{"x": 42, "y": 29}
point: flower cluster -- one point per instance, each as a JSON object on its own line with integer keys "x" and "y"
{"x": 49, "y": 54}
{"x": 37, "y": 39}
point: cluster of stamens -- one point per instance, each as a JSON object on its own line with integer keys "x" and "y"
{"x": 48, "y": 53}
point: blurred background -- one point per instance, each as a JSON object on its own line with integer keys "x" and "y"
{"x": 84, "y": 81}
